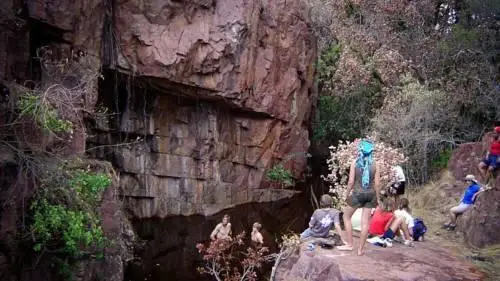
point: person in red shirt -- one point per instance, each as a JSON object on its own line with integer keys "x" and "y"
{"x": 381, "y": 219}
{"x": 492, "y": 160}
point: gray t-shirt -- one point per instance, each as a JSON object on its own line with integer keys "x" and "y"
{"x": 322, "y": 221}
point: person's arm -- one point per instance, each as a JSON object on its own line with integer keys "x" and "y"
{"x": 312, "y": 221}
{"x": 230, "y": 233}
{"x": 477, "y": 193}
{"x": 376, "y": 182}
{"x": 352, "y": 174}
{"x": 215, "y": 232}
{"x": 388, "y": 224}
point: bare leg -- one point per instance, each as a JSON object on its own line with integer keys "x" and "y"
{"x": 406, "y": 231}
{"x": 348, "y": 212}
{"x": 365, "y": 220}
{"x": 453, "y": 216}
{"x": 341, "y": 234}
{"x": 489, "y": 174}
{"x": 482, "y": 167}
{"x": 398, "y": 224}
{"x": 396, "y": 201}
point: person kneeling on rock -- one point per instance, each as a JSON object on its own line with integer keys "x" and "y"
{"x": 322, "y": 220}
{"x": 466, "y": 203}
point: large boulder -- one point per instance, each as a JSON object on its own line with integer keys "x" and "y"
{"x": 480, "y": 224}
{"x": 426, "y": 261}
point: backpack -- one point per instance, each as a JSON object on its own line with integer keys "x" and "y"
{"x": 419, "y": 229}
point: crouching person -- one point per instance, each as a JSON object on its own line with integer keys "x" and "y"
{"x": 322, "y": 220}
{"x": 468, "y": 199}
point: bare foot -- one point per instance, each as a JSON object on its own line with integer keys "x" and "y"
{"x": 360, "y": 252}
{"x": 345, "y": 247}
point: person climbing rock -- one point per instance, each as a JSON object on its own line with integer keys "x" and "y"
{"x": 466, "y": 202}
{"x": 222, "y": 230}
{"x": 398, "y": 185}
{"x": 322, "y": 220}
{"x": 492, "y": 160}
{"x": 256, "y": 236}
{"x": 364, "y": 189}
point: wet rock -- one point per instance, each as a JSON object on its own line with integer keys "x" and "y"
{"x": 426, "y": 261}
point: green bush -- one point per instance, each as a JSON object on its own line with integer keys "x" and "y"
{"x": 326, "y": 65}
{"x": 89, "y": 186}
{"x": 43, "y": 113}
{"x": 278, "y": 174}
{"x": 65, "y": 221}
{"x": 441, "y": 162}
{"x": 346, "y": 117}
{"x": 70, "y": 232}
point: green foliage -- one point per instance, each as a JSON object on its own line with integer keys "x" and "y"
{"x": 72, "y": 231}
{"x": 43, "y": 114}
{"x": 352, "y": 9}
{"x": 278, "y": 174}
{"x": 441, "y": 162}
{"x": 65, "y": 219}
{"x": 327, "y": 63}
{"x": 346, "y": 117}
{"x": 89, "y": 186}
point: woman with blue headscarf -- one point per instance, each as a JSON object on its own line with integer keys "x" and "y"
{"x": 364, "y": 187}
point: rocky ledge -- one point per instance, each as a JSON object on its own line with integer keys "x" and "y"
{"x": 426, "y": 261}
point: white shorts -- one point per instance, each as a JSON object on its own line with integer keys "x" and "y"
{"x": 461, "y": 208}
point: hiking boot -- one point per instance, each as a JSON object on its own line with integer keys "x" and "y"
{"x": 409, "y": 243}
{"x": 399, "y": 239}
{"x": 451, "y": 227}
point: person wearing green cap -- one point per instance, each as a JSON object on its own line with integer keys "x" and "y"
{"x": 364, "y": 183}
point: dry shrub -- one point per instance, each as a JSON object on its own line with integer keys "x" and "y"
{"x": 345, "y": 153}
{"x": 232, "y": 260}
{"x": 419, "y": 121}
{"x": 43, "y": 116}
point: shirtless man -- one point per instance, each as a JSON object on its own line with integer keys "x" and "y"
{"x": 257, "y": 238}
{"x": 222, "y": 230}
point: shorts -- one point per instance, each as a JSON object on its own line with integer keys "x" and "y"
{"x": 398, "y": 188}
{"x": 363, "y": 199}
{"x": 389, "y": 234}
{"x": 461, "y": 208}
{"x": 492, "y": 161}
{"x": 309, "y": 233}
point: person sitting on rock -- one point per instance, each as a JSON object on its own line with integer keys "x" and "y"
{"x": 404, "y": 214}
{"x": 468, "y": 199}
{"x": 398, "y": 185}
{"x": 381, "y": 218}
{"x": 364, "y": 189}
{"x": 256, "y": 236}
{"x": 492, "y": 160}
{"x": 222, "y": 230}
{"x": 323, "y": 219}
{"x": 385, "y": 225}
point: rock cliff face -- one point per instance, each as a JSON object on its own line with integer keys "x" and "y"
{"x": 480, "y": 224}
{"x": 219, "y": 91}
{"x": 228, "y": 93}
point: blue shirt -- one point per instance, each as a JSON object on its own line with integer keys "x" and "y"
{"x": 469, "y": 193}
